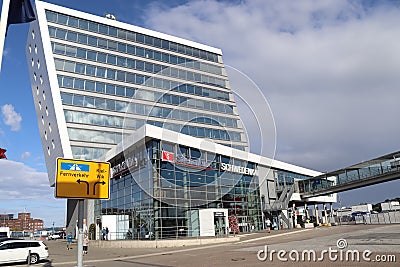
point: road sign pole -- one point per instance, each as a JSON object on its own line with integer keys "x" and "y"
{"x": 80, "y": 232}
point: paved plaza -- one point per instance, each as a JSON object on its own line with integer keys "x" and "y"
{"x": 382, "y": 240}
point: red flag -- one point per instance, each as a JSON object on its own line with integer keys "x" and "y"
{"x": 3, "y": 153}
{"x": 167, "y": 156}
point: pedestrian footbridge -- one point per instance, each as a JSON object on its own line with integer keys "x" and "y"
{"x": 378, "y": 170}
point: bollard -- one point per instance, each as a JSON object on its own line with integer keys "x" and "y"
{"x": 29, "y": 257}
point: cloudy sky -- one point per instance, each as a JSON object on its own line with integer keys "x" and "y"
{"x": 328, "y": 69}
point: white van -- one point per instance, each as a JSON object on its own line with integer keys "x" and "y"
{"x": 18, "y": 251}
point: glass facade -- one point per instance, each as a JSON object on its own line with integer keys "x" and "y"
{"x": 114, "y": 80}
{"x": 165, "y": 196}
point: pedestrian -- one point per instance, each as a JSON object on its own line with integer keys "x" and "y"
{"x": 69, "y": 241}
{"x": 268, "y": 222}
{"x": 107, "y": 233}
{"x": 103, "y": 232}
{"x": 142, "y": 231}
{"x": 85, "y": 244}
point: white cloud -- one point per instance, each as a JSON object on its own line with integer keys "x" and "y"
{"x": 11, "y": 118}
{"x": 23, "y": 189}
{"x": 25, "y": 155}
{"x": 18, "y": 181}
{"x": 329, "y": 69}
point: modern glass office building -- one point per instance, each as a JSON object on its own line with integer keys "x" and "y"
{"x": 103, "y": 78}
{"x": 96, "y": 81}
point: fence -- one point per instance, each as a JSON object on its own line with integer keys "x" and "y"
{"x": 379, "y": 218}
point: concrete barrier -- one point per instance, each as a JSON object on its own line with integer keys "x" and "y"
{"x": 170, "y": 243}
{"x": 309, "y": 225}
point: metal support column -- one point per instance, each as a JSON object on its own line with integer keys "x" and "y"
{"x": 80, "y": 232}
{"x": 306, "y": 210}
{"x": 316, "y": 214}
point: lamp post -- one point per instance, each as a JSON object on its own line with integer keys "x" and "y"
{"x": 340, "y": 207}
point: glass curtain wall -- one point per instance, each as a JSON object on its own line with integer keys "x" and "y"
{"x": 162, "y": 196}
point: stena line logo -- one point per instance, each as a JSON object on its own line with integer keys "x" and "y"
{"x": 167, "y": 156}
{"x": 237, "y": 169}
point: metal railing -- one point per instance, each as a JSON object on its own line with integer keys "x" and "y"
{"x": 360, "y": 175}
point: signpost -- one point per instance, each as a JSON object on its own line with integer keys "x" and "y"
{"x": 81, "y": 179}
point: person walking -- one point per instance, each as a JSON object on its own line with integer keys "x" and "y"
{"x": 69, "y": 241}
{"x": 107, "y": 232}
{"x": 142, "y": 231}
{"x": 103, "y": 232}
{"x": 268, "y": 222}
{"x": 85, "y": 244}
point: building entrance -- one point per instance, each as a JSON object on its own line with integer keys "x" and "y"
{"x": 219, "y": 223}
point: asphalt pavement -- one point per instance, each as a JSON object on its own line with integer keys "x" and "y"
{"x": 375, "y": 245}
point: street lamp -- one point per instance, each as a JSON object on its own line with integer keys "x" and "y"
{"x": 340, "y": 207}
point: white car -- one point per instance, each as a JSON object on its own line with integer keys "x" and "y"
{"x": 54, "y": 236}
{"x": 18, "y": 251}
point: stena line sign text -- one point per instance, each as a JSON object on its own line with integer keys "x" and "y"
{"x": 128, "y": 163}
{"x": 237, "y": 169}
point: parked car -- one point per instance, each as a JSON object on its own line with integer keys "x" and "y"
{"x": 18, "y": 251}
{"x": 9, "y": 238}
{"x": 54, "y": 236}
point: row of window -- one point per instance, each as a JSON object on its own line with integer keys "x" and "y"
{"x": 176, "y": 180}
{"x": 129, "y": 35}
{"x": 115, "y": 138}
{"x": 111, "y": 89}
{"x": 122, "y": 200}
{"x": 88, "y": 153}
{"x": 163, "y": 84}
{"x": 145, "y": 110}
{"x": 122, "y": 197}
{"x": 119, "y": 122}
{"x": 134, "y": 64}
{"x": 116, "y": 75}
{"x": 132, "y": 50}
{"x": 84, "y": 135}
{"x": 290, "y": 176}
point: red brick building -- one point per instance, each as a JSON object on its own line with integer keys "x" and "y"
{"x": 24, "y": 222}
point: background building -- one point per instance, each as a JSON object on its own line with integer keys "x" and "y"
{"x": 24, "y": 222}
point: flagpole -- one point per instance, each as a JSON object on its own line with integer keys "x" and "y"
{"x": 3, "y": 26}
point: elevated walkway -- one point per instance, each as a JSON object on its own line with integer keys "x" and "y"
{"x": 378, "y": 170}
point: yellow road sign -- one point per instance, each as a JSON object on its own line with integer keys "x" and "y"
{"x": 82, "y": 179}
